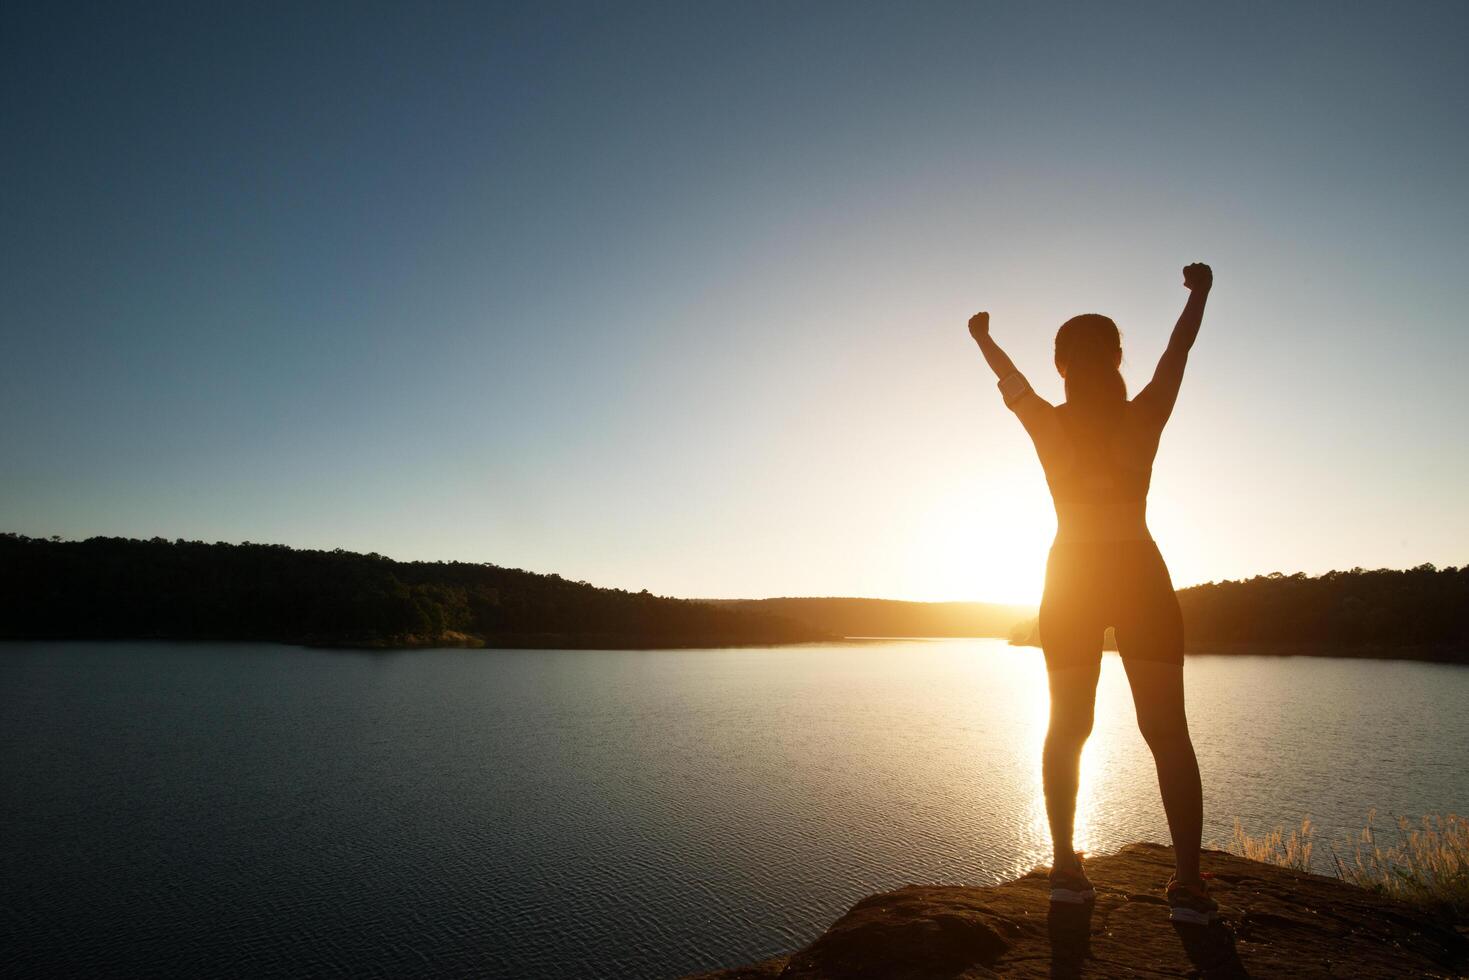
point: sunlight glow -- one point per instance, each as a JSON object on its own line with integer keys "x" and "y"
{"x": 1100, "y": 750}
{"x": 1036, "y": 846}
{"x": 984, "y": 541}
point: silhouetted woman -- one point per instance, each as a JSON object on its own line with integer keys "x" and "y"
{"x": 1104, "y": 570}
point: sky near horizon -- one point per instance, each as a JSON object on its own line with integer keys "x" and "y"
{"x": 674, "y": 297}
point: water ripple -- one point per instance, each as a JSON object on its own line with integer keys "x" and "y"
{"x": 257, "y": 811}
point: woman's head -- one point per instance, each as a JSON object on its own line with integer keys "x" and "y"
{"x": 1089, "y": 356}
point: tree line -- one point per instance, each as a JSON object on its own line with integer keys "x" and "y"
{"x": 1422, "y": 606}
{"x": 119, "y": 588}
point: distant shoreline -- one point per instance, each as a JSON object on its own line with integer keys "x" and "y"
{"x": 1367, "y": 651}
{"x": 572, "y": 641}
{"x": 1425, "y": 653}
{"x": 519, "y": 641}
{"x": 117, "y": 588}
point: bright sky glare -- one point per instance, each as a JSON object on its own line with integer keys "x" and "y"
{"x": 674, "y": 297}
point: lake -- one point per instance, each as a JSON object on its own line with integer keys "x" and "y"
{"x": 259, "y": 810}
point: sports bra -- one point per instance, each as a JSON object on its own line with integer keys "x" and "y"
{"x": 1100, "y": 466}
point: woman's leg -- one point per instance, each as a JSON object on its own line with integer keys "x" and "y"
{"x": 1157, "y": 693}
{"x": 1073, "y": 697}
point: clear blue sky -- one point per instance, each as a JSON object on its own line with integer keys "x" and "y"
{"x": 674, "y": 297}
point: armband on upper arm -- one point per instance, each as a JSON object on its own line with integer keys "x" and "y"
{"x": 1013, "y": 387}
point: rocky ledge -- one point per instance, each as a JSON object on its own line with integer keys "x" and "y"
{"x": 1275, "y": 923}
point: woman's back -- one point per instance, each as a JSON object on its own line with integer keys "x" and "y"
{"x": 1098, "y": 470}
{"x": 1097, "y": 447}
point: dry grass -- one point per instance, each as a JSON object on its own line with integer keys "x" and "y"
{"x": 1427, "y": 865}
{"x": 1275, "y": 847}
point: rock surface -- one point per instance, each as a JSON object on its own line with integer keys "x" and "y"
{"x": 1275, "y": 923}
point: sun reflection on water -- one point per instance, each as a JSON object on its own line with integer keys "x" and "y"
{"x": 1101, "y": 750}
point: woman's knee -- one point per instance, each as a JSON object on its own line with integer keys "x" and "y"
{"x": 1157, "y": 693}
{"x": 1165, "y": 730}
{"x": 1071, "y": 729}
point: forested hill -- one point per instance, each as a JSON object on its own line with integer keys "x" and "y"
{"x": 120, "y": 588}
{"x": 123, "y": 588}
{"x": 1421, "y": 606}
{"x": 1422, "y": 613}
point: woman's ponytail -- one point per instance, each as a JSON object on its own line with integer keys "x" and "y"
{"x": 1088, "y": 348}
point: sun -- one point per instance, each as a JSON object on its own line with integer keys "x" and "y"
{"x": 986, "y": 542}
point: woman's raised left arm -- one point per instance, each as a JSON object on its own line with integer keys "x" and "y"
{"x": 1018, "y": 395}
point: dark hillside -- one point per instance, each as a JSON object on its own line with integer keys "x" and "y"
{"x": 118, "y": 588}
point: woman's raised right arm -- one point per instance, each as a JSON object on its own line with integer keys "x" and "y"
{"x": 1162, "y": 392}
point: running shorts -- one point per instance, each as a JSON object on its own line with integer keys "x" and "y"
{"x": 1095, "y": 584}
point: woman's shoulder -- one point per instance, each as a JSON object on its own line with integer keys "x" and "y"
{"x": 1144, "y": 410}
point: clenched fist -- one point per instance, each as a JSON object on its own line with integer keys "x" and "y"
{"x": 979, "y": 325}
{"x": 1198, "y": 277}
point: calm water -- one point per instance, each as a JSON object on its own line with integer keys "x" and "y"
{"x": 248, "y": 810}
